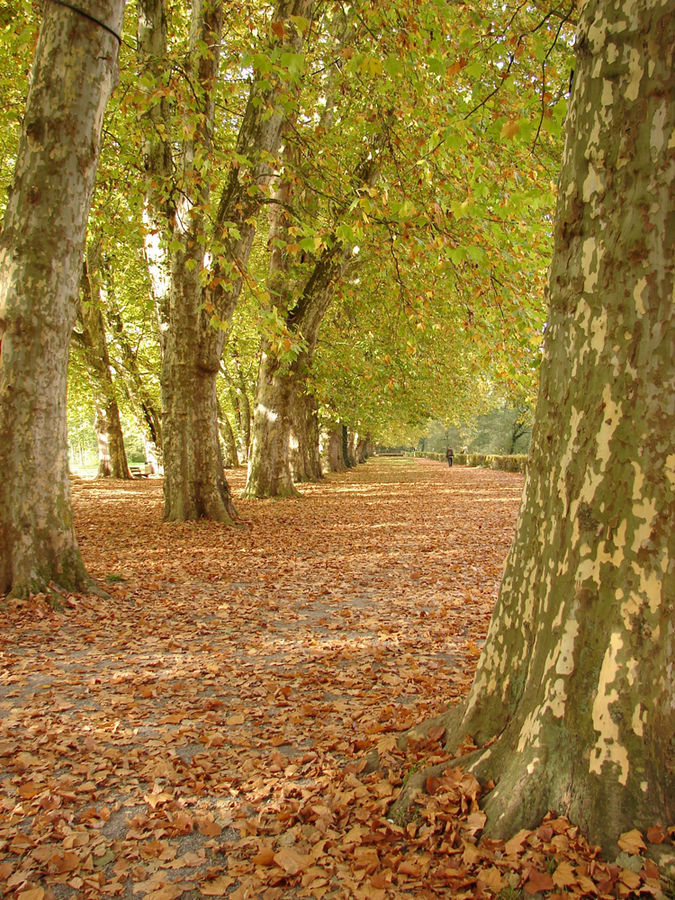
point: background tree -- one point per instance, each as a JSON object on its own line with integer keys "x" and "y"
{"x": 571, "y": 705}
{"x": 91, "y": 337}
{"x": 41, "y": 249}
{"x": 208, "y": 244}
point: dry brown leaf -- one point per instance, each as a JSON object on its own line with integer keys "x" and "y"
{"x": 632, "y": 842}
{"x": 291, "y": 861}
{"x": 264, "y": 857}
{"x": 538, "y": 881}
{"x": 564, "y": 875}
{"x": 217, "y": 887}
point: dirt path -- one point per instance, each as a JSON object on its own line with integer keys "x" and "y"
{"x": 200, "y": 733}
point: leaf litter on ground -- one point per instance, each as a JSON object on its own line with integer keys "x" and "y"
{"x": 203, "y": 731}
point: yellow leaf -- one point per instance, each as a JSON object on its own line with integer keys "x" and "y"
{"x": 511, "y": 128}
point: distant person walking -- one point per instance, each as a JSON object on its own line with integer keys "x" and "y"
{"x": 449, "y": 455}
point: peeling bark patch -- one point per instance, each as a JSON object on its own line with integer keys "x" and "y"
{"x": 607, "y": 747}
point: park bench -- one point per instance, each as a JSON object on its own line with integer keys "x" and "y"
{"x": 140, "y": 471}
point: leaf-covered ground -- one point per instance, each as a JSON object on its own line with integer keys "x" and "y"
{"x": 203, "y": 732}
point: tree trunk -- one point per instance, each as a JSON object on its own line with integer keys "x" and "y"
{"x": 112, "y": 456}
{"x": 269, "y": 470}
{"x": 192, "y": 347}
{"x": 303, "y": 300}
{"x": 194, "y": 481}
{"x": 305, "y": 457}
{"x": 41, "y": 247}
{"x": 227, "y": 434}
{"x": 137, "y": 391}
{"x": 361, "y": 450}
{"x": 336, "y": 459}
{"x": 346, "y": 458}
{"x": 575, "y": 683}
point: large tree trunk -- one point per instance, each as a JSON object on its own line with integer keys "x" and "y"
{"x": 575, "y": 683}
{"x": 41, "y": 247}
{"x": 112, "y": 456}
{"x": 334, "y": 454}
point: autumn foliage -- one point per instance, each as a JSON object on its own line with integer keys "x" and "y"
{"x": 205, "y": 731}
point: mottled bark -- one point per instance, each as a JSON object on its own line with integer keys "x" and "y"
{"x": 112, "y": 457}
{"x": 575, "y": 684}
{"x": 41, "y": 247}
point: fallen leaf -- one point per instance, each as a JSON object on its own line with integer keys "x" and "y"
{"x": 632, "y": 842}
{"x": 291, "y": 861}
{"x": 538, "y": 881}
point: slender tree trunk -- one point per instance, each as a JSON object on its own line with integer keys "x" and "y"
{"x": 336, "y": 460}
{"x": 305, "y": 457}
{"x": 574, "y": 688}
{"x": 112, "y": 457}
{"x": 41, "y": 247}
{"x": 269, "y": 470}
{"x": 137, "y": 390}
{"x": 227, "y": 434}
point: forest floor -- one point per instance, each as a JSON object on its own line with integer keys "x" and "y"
{"x": 203, "y": 731}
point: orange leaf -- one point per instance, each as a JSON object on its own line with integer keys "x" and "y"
{"x": 218, "y": 887}
{"x": 631, "y": 842}
{"x": 208, "y": 827}
{"x": 291, "y": 861}
{"x": 538, "y": 881}
{"x": 265, "y": 857}
{"x": 656, "y": 835}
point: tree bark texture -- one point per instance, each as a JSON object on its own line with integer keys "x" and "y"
{"x": 74, "y": 71}
{"x": 575, "y": 683}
